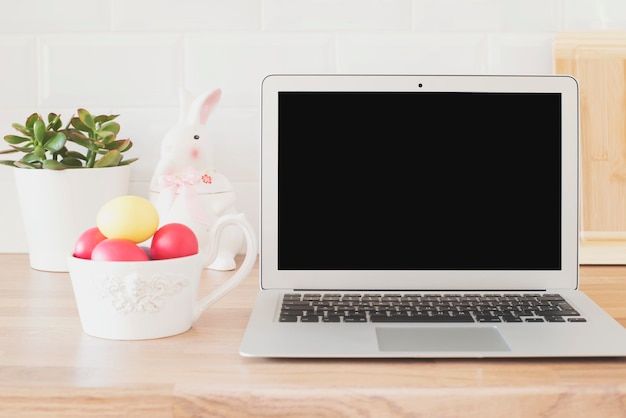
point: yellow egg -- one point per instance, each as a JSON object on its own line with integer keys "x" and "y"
{"x": 128, "y": 217}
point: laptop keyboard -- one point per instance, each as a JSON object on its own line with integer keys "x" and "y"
{"x": 426, "y": 308}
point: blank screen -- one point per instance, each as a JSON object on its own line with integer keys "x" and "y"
{"x": 419, "y": 180}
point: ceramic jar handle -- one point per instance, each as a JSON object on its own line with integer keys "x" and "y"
{"x": 244, "y": 269}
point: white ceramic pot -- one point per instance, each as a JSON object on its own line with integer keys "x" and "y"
{"x": 59, "y": 205}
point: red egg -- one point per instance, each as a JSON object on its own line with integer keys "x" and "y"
{"x": 117, "y": 249}
{"x": 172, "y": 241}
{"x": 87, "y": 241}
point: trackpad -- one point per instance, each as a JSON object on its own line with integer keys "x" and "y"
{"x": 440, "y": 339}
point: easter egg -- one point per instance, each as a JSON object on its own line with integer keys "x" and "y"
{"x": 86, "y": 242}
{"x": 116, "y": 249}
{"x": 128, "y": 217}
{"x": 173, "y": 240}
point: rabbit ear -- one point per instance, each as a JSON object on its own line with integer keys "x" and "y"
{"x": 186, "y": 99}
{"x": 202, "y": 107}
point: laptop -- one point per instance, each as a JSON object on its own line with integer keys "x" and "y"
{"x": 422, "y": 216}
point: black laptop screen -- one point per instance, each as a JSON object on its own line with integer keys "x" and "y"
{"x": 414, "y": 181}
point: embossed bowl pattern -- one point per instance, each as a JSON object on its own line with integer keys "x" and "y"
{"x": 137, "y": 299}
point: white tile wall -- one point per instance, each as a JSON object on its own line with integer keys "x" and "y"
{"x": 406, "y": 53}
{"x": 238, "y": 61}
{"x": 44, "y": 16}
{"x": 333, "y": 16}
{"x": 19, "y": 63}
{"x": 110, "y": 69}
{"x": 131, "y": 56}
{"x": 185, "y": 16}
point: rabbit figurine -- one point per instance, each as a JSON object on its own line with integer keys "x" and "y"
{"x": 187, "y": 188}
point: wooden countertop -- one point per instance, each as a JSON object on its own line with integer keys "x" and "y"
{"x": 50, "y": 368}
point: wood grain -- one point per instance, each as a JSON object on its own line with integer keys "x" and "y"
{"x": 597, "y": 60}
{"x": 50, "y": 368}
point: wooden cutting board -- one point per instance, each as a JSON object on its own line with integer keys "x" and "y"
{"x": 598, "y": 61}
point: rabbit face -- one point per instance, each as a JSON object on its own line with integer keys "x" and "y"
{"x": 187, "y": 146}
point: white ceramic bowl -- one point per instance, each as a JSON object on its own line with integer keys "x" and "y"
{"x": 133, "y": 300}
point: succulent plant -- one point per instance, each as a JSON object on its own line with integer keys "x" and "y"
{"x": 45, "y": 144}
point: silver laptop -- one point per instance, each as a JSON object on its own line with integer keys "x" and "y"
{"x": 422, "y": 216}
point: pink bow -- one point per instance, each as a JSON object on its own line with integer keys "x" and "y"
{"x": 170, "y": 184}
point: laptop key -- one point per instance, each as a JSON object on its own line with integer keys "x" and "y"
{"x": 534, "y": 320}
{"x": 288, "y": 318}
{"x": 420, "y": 318}
{"x": 487, "y": 318}
{"x": 558, "y": 313}
{"x": 510, "y": 318}
{"x": 355, "y": 318}
{"x": 554, "y": 318}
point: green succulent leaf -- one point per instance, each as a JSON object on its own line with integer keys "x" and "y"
{"x": 71, "y": 133}
{"x": 82, "y": 140}
{"x": 56, "y": 142}
{"x": 75, "y": 155}
{"x": 54, "y": 121}
{"x": 22, "y": 129}
{"x": 110, "y": 159}
{"x": 63, "y": 150}
{"x": 72, "y": 162}
{"x": 14, "y": 139}
{"x": 31, "y": 121}
{"x": 112, "y": 127}
{"x": 10, "y": 163}
{"x": 22, "y": 164}
{"x": 87, "y": 120}
{"x": 30, "y": 158}
{"x": 122, "y": 145}
{"x": 106, "y": 137}
{"x": 99, "y": 144}
{"x": 101, "y": 119}
{"x": 40, "y": 151}
{"x": 126, "y": 162}
{"x": 39, "y": 130}
{"x": 78, "y": 124}
{"x": 28, "y": 148}
{"x": 53, "y": 165}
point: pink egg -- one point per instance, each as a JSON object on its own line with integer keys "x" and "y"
{"x": 87, "y": 241}
{"x": 172, "y": 241}
{"x": 117, "y": 249}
